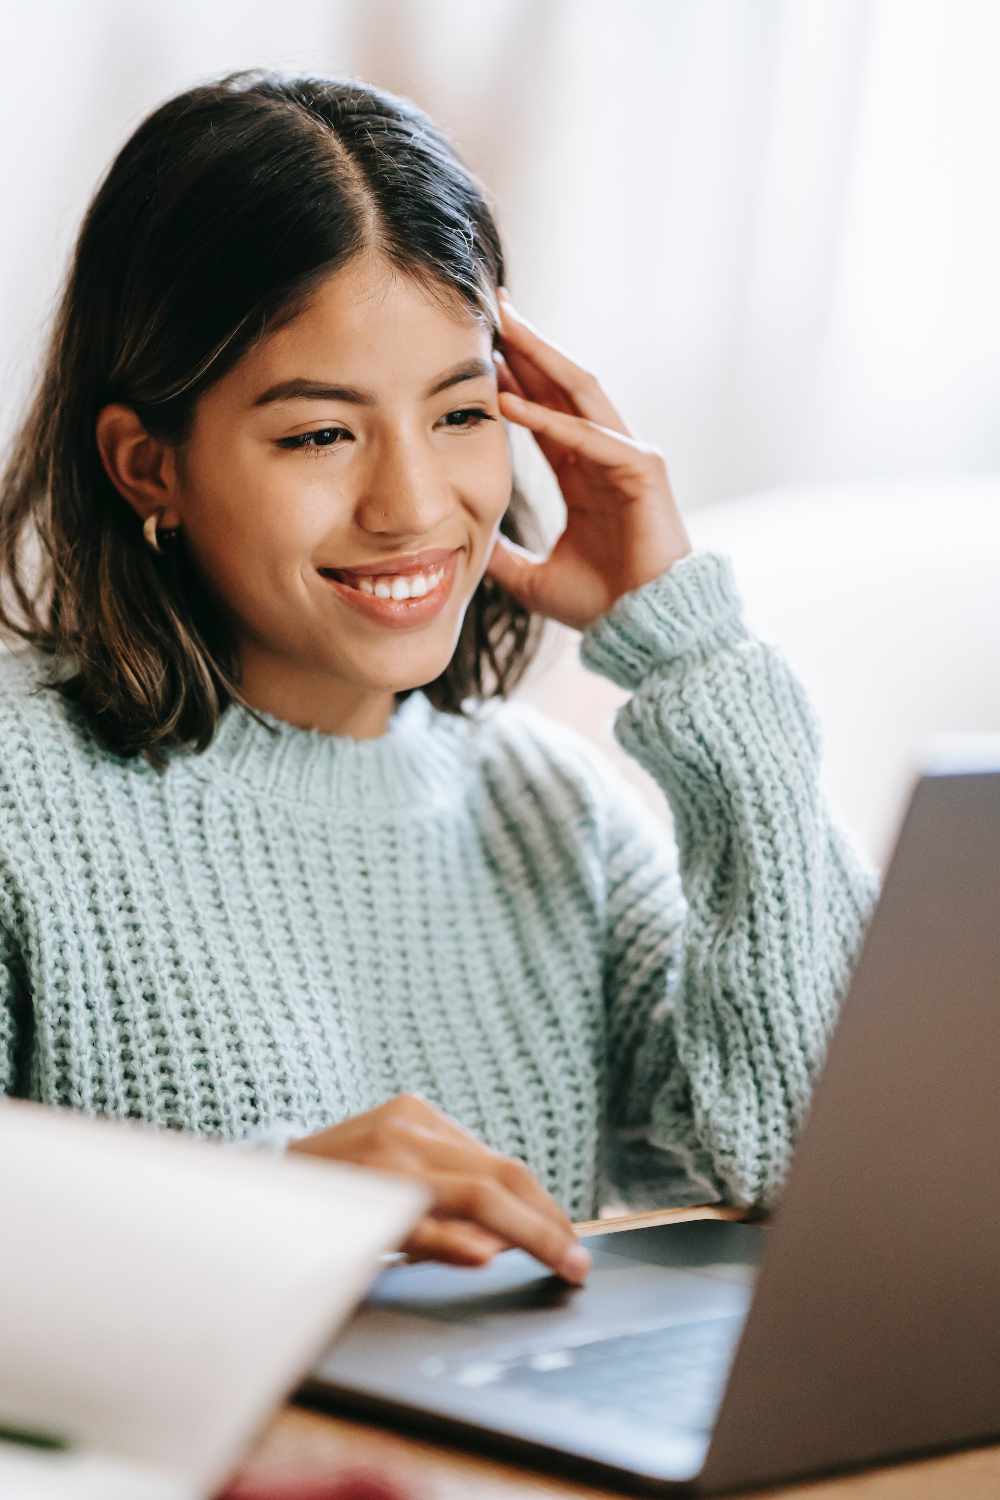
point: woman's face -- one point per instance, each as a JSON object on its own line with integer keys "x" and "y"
{"x": 276, "y": 485}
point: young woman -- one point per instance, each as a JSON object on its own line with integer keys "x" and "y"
{"x": 280, "y": 862}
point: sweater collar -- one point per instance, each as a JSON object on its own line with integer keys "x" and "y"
{"x": 418, "y": 755}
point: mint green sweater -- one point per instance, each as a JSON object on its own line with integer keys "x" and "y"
{"x": 288, "y": 929}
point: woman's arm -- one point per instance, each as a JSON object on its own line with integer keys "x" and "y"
{"x": 725, "y": 970}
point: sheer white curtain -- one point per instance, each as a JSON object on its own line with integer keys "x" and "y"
{"x": 770, "y": 226}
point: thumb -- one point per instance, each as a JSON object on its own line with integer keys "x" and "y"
{"x": 515, "y": 569}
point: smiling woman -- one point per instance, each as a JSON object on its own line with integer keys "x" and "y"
{"x": 264, "y": 523}
{"x": 272, "y": 868}
{"x": 267, "y": 363}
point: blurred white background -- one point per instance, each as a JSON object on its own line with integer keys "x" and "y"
{"x": 770, "y": 226}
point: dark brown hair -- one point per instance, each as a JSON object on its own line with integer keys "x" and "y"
{"x": 212, "y": 227}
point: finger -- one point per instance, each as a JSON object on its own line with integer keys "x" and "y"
{"x": 452, "y": 1146}
{"x": 491, "y": 1206}
{"x": 534, "y": 383}
{"x": 631, "y": 462}
{"x": 506, "y": 379}
{"x": 546, "y": 395}
{"x": 514, "y": 1174}
{"x": 454, "y": 1241}
{"x": 491, "y": 1244}
{"x": 539, "y": 384}
{"x": 519, "y": 1178}
{"x": 524, "y": 344}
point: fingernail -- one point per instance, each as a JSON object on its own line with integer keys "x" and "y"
{"x": 576, "y": 1264}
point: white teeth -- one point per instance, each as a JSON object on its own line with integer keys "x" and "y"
{"x": 401, "y": 586}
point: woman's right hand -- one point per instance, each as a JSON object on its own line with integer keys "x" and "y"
{"x": 482, "y": 1201}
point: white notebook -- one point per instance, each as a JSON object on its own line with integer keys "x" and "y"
{"x": 30, "y": 1475}
{"x": 161, "y": 1294}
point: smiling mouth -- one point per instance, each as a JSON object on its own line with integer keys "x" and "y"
{"x": 398, "y": 586}
{"x": 402, "y": 600}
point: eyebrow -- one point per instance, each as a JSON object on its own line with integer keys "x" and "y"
{"x": 298, "y": 388}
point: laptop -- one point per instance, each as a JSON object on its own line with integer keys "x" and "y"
{"x": 859, "y": 1323}
{"x": 160, "y": 1294}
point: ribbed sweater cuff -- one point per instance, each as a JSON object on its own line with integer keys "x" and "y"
{"x": 692, "y": 607}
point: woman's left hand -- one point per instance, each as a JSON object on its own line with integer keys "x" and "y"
{"x": 623, "y": 527}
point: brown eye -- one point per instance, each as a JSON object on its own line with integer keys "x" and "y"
{"x": 311, "y": 440}
{"x": 472, "y": 411}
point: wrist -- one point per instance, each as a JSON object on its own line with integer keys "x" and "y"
{"x": 692, "y": 607}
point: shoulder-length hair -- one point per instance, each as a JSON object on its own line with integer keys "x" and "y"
{"x": 216, "y": 221}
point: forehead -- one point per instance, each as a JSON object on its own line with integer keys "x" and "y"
{"x": 370, "y": 327}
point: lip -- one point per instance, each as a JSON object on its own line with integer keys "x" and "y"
{"x": 399, "y": 614}
{"x": 409, "y": 562}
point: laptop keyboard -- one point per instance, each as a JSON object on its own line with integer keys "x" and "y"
{"x": 673, "y": 1375}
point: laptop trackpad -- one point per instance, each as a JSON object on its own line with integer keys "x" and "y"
{"x": 675, "y": 1272}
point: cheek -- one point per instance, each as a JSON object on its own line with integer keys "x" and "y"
{"x": 492, "y": 485}
{"x": 273, "y": 502}
{"x": 251, "y": 531}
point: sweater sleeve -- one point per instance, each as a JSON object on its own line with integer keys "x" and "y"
{"x": 727, "y": 957}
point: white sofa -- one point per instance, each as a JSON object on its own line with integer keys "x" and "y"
{"x": 885, "y": 599}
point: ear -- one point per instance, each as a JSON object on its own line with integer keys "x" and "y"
{"x": 141, "y": 468}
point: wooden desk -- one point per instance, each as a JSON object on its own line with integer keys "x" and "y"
{"x": 304, "y": 1442}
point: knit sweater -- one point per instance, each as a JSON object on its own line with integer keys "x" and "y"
{"x": 291, "y": 927}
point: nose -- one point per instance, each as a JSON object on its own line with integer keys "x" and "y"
{"x": 407, "y": 491}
